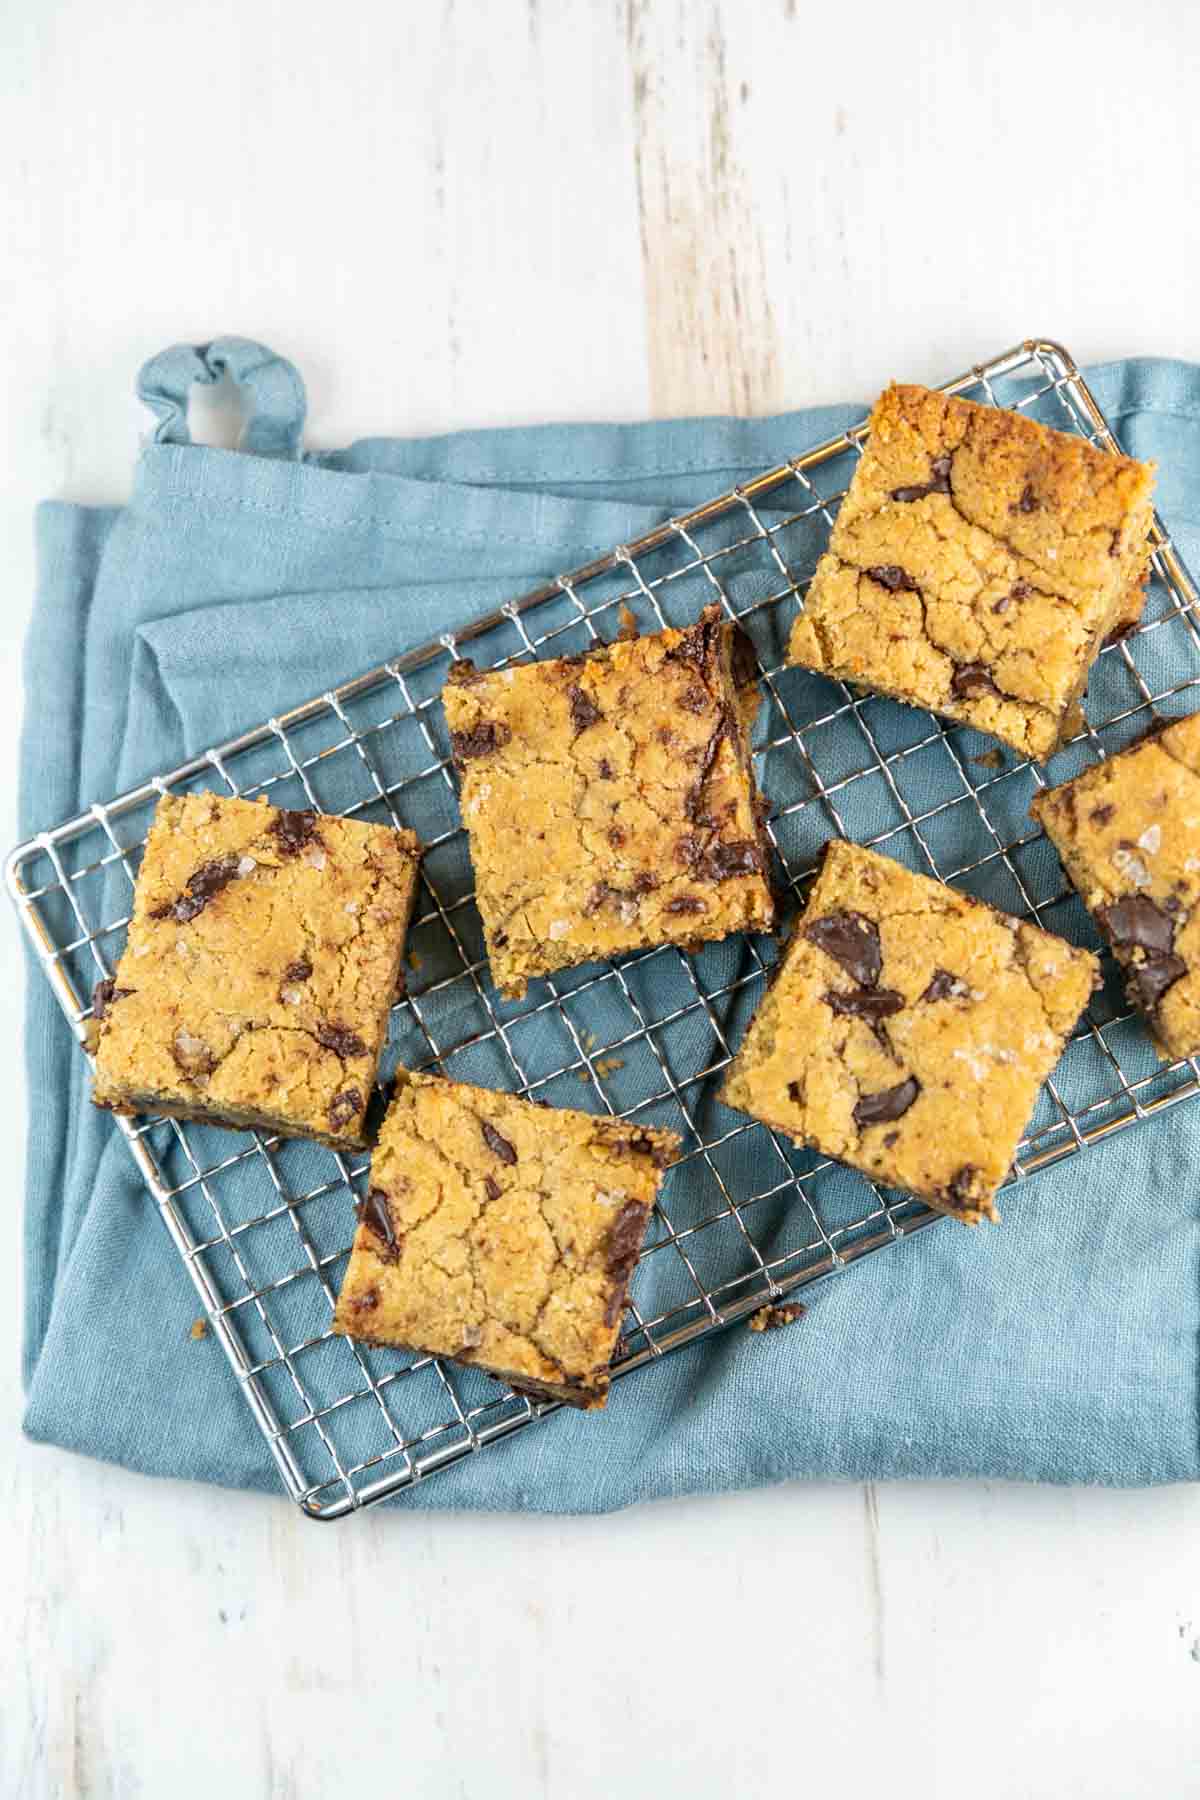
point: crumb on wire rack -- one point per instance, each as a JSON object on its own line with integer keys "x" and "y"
{"x": 199, "y": 1329}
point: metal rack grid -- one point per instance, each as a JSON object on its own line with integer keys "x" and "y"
{"x": 263, "y": 1224}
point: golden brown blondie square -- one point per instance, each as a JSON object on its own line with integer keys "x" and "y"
{"x": 1128, "y": 833}
{"x": 261, "y": 963}
{"x": 501, "y": 1233}
{"x": 610, "y": 801}
{"x": 977, "y": 565}
{"x": 909, "y": 1030}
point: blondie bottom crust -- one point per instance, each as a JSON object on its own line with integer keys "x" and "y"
{"x": 909, "y": 1030}
{"x": 610, "y": 801}
{"x": 261, "y": 962}
{"x": 502, "y": 1233}
{"x": 977, "y": 565}
{"x": 1128, "y": 833}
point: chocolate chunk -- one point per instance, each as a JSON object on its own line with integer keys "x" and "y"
{"x": 294, "y": 831}
{"x": 499, "y": 1146}
{"x": 853, "y": 941}
{"x": 695, "y": 699}
{"x": 300, "y": 970}
{"x": 105, "y": 995}
{"x": 616, "y": 837}
{"x": 375, "y": 1212}
{"x": 1100, "y": 815}
{"x": 482, "y": 740}
{"x": 639, "y": 1143}
{"x": 892, "y": 577}
{"x": 722, "y": 861}
{"x": 340, "y": 1039}
{"x": 584, "y": 711}
{"x": 872, "y": 1004}
{"x": 491, "y": 1187}
{"x": 1020, "y": 590}
{"x": 624, "y": 1240}
{"x": 891, "y": 1138}
{"x": 604, "y": 769}
{"x": 944, "y": 986}
{"x": 1029, "y": 501}
{"x": 463, "y": 673}
{"x": 1152, "y": 978}
{"x": 367, "y": 1302}
{"x": 1122, "y": 631}
{"x": 685, "y": 903}
{"x": 193, "y": 1057}
{"x": 1114, "y": 543}
{"x": 698, "y": 644}
{"x": 970, "y": 679}
{"x": 201, "y": 887}
{"x": 939, "y": 482}
{"x": 960, "y": 1188}
{"x": 604, "y": 894}
{"x": 795, "y": 1093}
{"x": 891, "y": 1103}
{"x": 1137, "y": 921}
{"x": 343, "y": 1107}
{"x": 743, "y": 659}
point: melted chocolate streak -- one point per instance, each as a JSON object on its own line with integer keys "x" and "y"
{"x": 852, "y": 940}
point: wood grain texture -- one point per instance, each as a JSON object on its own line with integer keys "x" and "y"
{"x": 711, "y": 335}
{"x": 463, "y": 215}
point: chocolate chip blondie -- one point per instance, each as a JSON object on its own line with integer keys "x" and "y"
{"x": 1128, "y": 833}
{"x": 977, "y": 565}
{"x": 908, "y": 1031}
{"x": 610, "y": 801}
{"x": 502, "y": 1233}
{"x": 260, "y": 966}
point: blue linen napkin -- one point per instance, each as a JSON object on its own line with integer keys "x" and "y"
{"x": 1062, "y": 1347}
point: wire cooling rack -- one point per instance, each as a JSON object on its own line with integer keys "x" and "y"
{"x": 263, "y": 1225}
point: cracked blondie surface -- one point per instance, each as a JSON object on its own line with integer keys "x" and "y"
{"x": 261, "y": 963}
{"x": 908, "y": 1031}
{"x": 609, "y": 799}
{"x": 1128, "y": 833}
{"x": 977, "y": 565}
{"x": 502, "y": 1233}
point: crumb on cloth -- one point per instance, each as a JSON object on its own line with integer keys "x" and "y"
{"x": 772, "y": 1318}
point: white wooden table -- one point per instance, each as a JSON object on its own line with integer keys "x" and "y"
{"x": 478, "y": 214}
